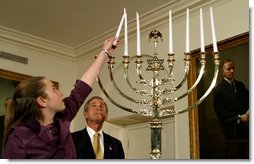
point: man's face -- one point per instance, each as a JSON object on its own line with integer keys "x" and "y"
{"x": 228, "y": 70}
{"x": 96, "y": 111}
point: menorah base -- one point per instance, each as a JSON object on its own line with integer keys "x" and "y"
{"x": 156, "y": 126}
{"x": 155, "y": 154}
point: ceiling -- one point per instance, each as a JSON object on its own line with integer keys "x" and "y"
{"x": 70, "y": 22}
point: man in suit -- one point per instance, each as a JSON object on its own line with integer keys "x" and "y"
{"x": 231, "y": 104}
{"x": 95, "y": 113}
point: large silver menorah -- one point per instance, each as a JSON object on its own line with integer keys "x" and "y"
{"x": 158, "y": 92}
{"x": 159, "y": 97}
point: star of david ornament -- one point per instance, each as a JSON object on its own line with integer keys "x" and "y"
{"x": 155, "y": 64}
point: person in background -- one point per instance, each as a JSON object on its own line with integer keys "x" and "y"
{"x": 7, "y": 102}
{"x": 231, "y": 104}
{"x": 38, "y": 123}
{"x": 95, "y": 113}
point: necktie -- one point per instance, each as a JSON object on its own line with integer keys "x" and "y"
{"x": 97, "y": 146}
{"x": 233, "y": 84}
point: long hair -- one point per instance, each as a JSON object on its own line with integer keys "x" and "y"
{"x": 24, "y": 107}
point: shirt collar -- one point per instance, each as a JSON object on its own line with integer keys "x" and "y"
{"x": 91, "y": 132}
{"x": 229, "y": 81}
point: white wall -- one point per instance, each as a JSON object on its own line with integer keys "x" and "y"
{"x": 40, "y": 63}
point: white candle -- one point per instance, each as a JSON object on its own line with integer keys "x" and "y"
{"x": 138, "y": 35}
{"x": 125, "y": 35}
{"x": 120, "y": 27}
{"x": 202, "y": 45}
{"x": 187, "y": 48}
{"x": 170, "y": 34}
{"x": 215, "y": 49}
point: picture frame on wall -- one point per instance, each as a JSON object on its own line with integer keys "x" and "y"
{"x": 204, "y": 123}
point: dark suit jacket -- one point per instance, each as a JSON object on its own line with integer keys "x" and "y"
{"x": 228, "y": 105}
{"x": 113, "y": 148}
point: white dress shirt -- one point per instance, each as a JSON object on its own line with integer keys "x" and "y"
{"x": 91, "y": 133}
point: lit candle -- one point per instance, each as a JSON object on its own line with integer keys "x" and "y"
{"x": 187, "y": 49}
{"x": 202, "y": 46}
{"x": 215, "y": 49}
{"x": 138, "y": 35}
{"x": 170, "y": 34}
{"x": 125, "y": 35}
{"x": 119, "y": 29}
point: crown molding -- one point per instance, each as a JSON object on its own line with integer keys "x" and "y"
{"x": 33, "y": 42}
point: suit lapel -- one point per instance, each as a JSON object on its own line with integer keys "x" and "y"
{"x": 229, "y": 87}
{"x": 88, "y": 145}
{"x": 107, "y": 147}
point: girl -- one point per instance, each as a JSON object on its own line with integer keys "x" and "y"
{"x": 38, "y": 120}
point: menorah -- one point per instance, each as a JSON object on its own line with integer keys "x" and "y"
{"x": 158, "y": 97}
